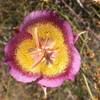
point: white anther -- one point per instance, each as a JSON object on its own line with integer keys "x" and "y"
{"x": 49, "y": 51}
{"x": 39, "y": 49}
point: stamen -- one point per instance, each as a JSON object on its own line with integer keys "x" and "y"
{"x": 44, "y": 51}
{"x": 34, "y": 51}
{"x": 30, "y": 49}
{"x": 45, "y": 43}
{"x": 51, "y": 49}
{"x": 35, "y": 36}
{"x": 36, "y": 63}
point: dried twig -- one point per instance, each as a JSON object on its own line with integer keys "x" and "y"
{"x": 88, "y": 88}
{"x": 73, "y": 12}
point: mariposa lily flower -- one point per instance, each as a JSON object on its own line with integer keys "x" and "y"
{"x": 43, "y": 50}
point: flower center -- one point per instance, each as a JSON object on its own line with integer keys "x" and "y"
{"x": 44, "y": 51}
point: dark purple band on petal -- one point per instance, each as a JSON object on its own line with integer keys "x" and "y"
{"x": 12, "y": 44}
{"x": 48, "y": 16}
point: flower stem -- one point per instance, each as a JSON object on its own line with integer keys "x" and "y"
{"x": 45, "y": 92}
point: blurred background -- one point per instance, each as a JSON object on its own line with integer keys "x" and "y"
{"x": 84, "y": 16}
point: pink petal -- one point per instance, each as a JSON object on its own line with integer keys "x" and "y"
{"x": 75, "y": 65}
{"x": 54, "y": 82}
{"x": 19, "y": 76}
{"x": 68, "y": 34}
